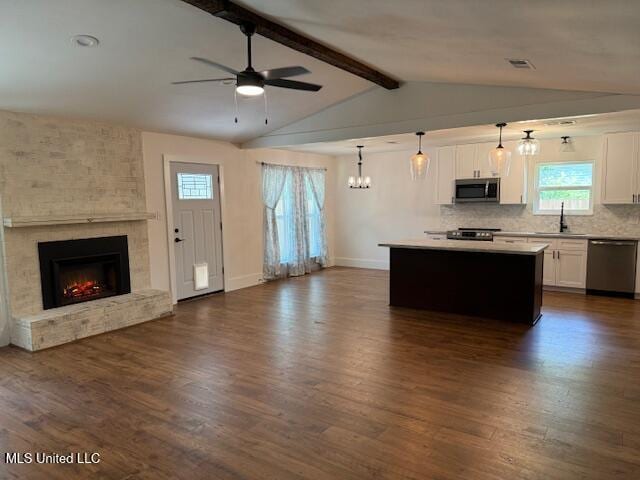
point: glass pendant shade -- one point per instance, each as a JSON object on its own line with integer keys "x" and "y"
{"x": 567, "y": 145}
{"x": 500, "y": 157}
{"x": 419, "y": 166}
{"x": 528, "y": 146}
{"x": 500, "y": 161}
{"x": 419, "y": 162}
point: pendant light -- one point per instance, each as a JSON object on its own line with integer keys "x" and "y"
{"x": 528, "y": 146}
{"x": 567, "y": 145}
{"x": 420, "y": 161}
{"x": 359, "y": 181}
{"x": 500, "y": 157}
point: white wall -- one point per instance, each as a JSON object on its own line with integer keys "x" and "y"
{"x": 397, "y": 208}
{"x": 394, "y": 207}
{"x": 242, "y": 206}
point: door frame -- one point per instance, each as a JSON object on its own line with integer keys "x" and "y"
{"x": 167, "y": 160}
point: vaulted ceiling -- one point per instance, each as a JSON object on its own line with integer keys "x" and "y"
{"x": 146, "y": 44}
{"x": 573, "y": 44}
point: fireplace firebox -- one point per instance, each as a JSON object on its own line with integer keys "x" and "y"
{"x": 75, "y": 271}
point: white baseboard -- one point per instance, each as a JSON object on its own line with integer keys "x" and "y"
{"x": 362, "y": 263}
{"x": 243, "y": 281}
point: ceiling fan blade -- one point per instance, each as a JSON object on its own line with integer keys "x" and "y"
{"x": 276, "y": 73}
{"x": 293, "y": 84}
{"x": 202, "y": 81}
{"x": 215, "y": 65}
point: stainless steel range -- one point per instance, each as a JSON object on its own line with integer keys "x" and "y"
{"x": 482, "y": 234}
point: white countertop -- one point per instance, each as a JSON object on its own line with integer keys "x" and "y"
{"x": 575, "y": 236}
{"x": 466, "y": 246}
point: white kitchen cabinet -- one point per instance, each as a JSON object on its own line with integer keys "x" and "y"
{"x": 445, "y": 175}
{"x": 502, "y": 239}
{"x": 620, "y": 169}
{"x": 482, "y": 159}
{"x": 466, "y": 166}
{"x": 565, "y": 262}
{"x": 513, "y": 187}
{"x": 549, "y": 268}
{"x": 571, "y": 268}
{"x": 472, "y": 160}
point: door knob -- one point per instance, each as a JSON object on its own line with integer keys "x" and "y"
{"x": 178, "y": 240}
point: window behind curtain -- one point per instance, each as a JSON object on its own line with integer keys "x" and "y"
{"x": 284, "y": 220}
{"x": 568, "y": 182}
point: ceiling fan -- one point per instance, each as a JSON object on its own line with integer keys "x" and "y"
{"x": 250, "y": 82}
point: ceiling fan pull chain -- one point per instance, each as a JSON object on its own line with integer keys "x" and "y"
{"x": 266, "y": 112}
{"x": 235, "y": 100}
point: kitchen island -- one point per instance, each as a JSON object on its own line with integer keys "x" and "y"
{"x": 481, "y": 279}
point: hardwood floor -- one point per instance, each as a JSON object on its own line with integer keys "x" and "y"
{"x": 317, "y": 378}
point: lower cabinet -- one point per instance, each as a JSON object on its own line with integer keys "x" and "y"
{"x": 571, "y": 268}
{"x": 549, "y": 270}
{"x": 565, "y": 262}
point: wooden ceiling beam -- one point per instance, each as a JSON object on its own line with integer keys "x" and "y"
{"x": 236, "y": 14}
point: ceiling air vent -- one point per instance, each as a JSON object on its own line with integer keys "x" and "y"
{"x": 520, "y": 63}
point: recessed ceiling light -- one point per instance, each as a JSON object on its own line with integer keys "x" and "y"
{"x": 520, "y": 63}
{"x": 85, "y": 41}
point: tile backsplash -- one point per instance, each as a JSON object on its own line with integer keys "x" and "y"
{"x": 607, "y": 219}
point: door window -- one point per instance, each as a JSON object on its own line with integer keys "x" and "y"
{"x": 195, "y": 186}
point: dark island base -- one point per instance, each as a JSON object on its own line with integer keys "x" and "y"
{"x": 489, "y": 285}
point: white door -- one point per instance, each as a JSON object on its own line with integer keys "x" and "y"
{"x": 571, "y": 268}
{"x": 197, "y": 230}
{"x": 619, "y": 183}
{"x": 466, "y": 161}
{"x": 445, "y": 169}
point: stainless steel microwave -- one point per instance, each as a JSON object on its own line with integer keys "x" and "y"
{"x": 478, "y": 190}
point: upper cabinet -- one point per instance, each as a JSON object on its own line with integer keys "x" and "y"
{"x": 472, "y": 160}
{"x": 620, "y": 169}
{"x": 445, "y": 175}
{"x": 466, "y": 161}
{"x": 513, "y": 188}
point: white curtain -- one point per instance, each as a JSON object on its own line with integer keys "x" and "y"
{"x": 298, "y": 195}
{"x": 316, "y": 179}
{"x": 273, "y": 178}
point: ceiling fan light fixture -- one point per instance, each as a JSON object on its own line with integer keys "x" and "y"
{"x": 420, "y": 161}
{"x": 250, "y": 90}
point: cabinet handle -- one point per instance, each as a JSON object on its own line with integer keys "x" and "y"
{"x": 634, "y": 198}
{"x": 554, "y": 254}
{"x": 520, "y": 198}
{"x": 558, "y": 254}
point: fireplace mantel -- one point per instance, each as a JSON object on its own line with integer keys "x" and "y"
{"x": 37, "y": 221}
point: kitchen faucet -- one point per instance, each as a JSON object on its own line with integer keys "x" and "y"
{"x": 563, "y": 225}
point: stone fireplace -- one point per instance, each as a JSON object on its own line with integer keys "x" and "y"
{"x": 75, "y": 230}
{"x": 77, "y": 271}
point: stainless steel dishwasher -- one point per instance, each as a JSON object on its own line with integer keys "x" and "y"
{"x": 611, "y": 267}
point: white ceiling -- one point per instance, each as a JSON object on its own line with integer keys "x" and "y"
{"x": 145, "y": 45}
{"x": 545, "y": 128}
{"x": 574, "y": 44}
